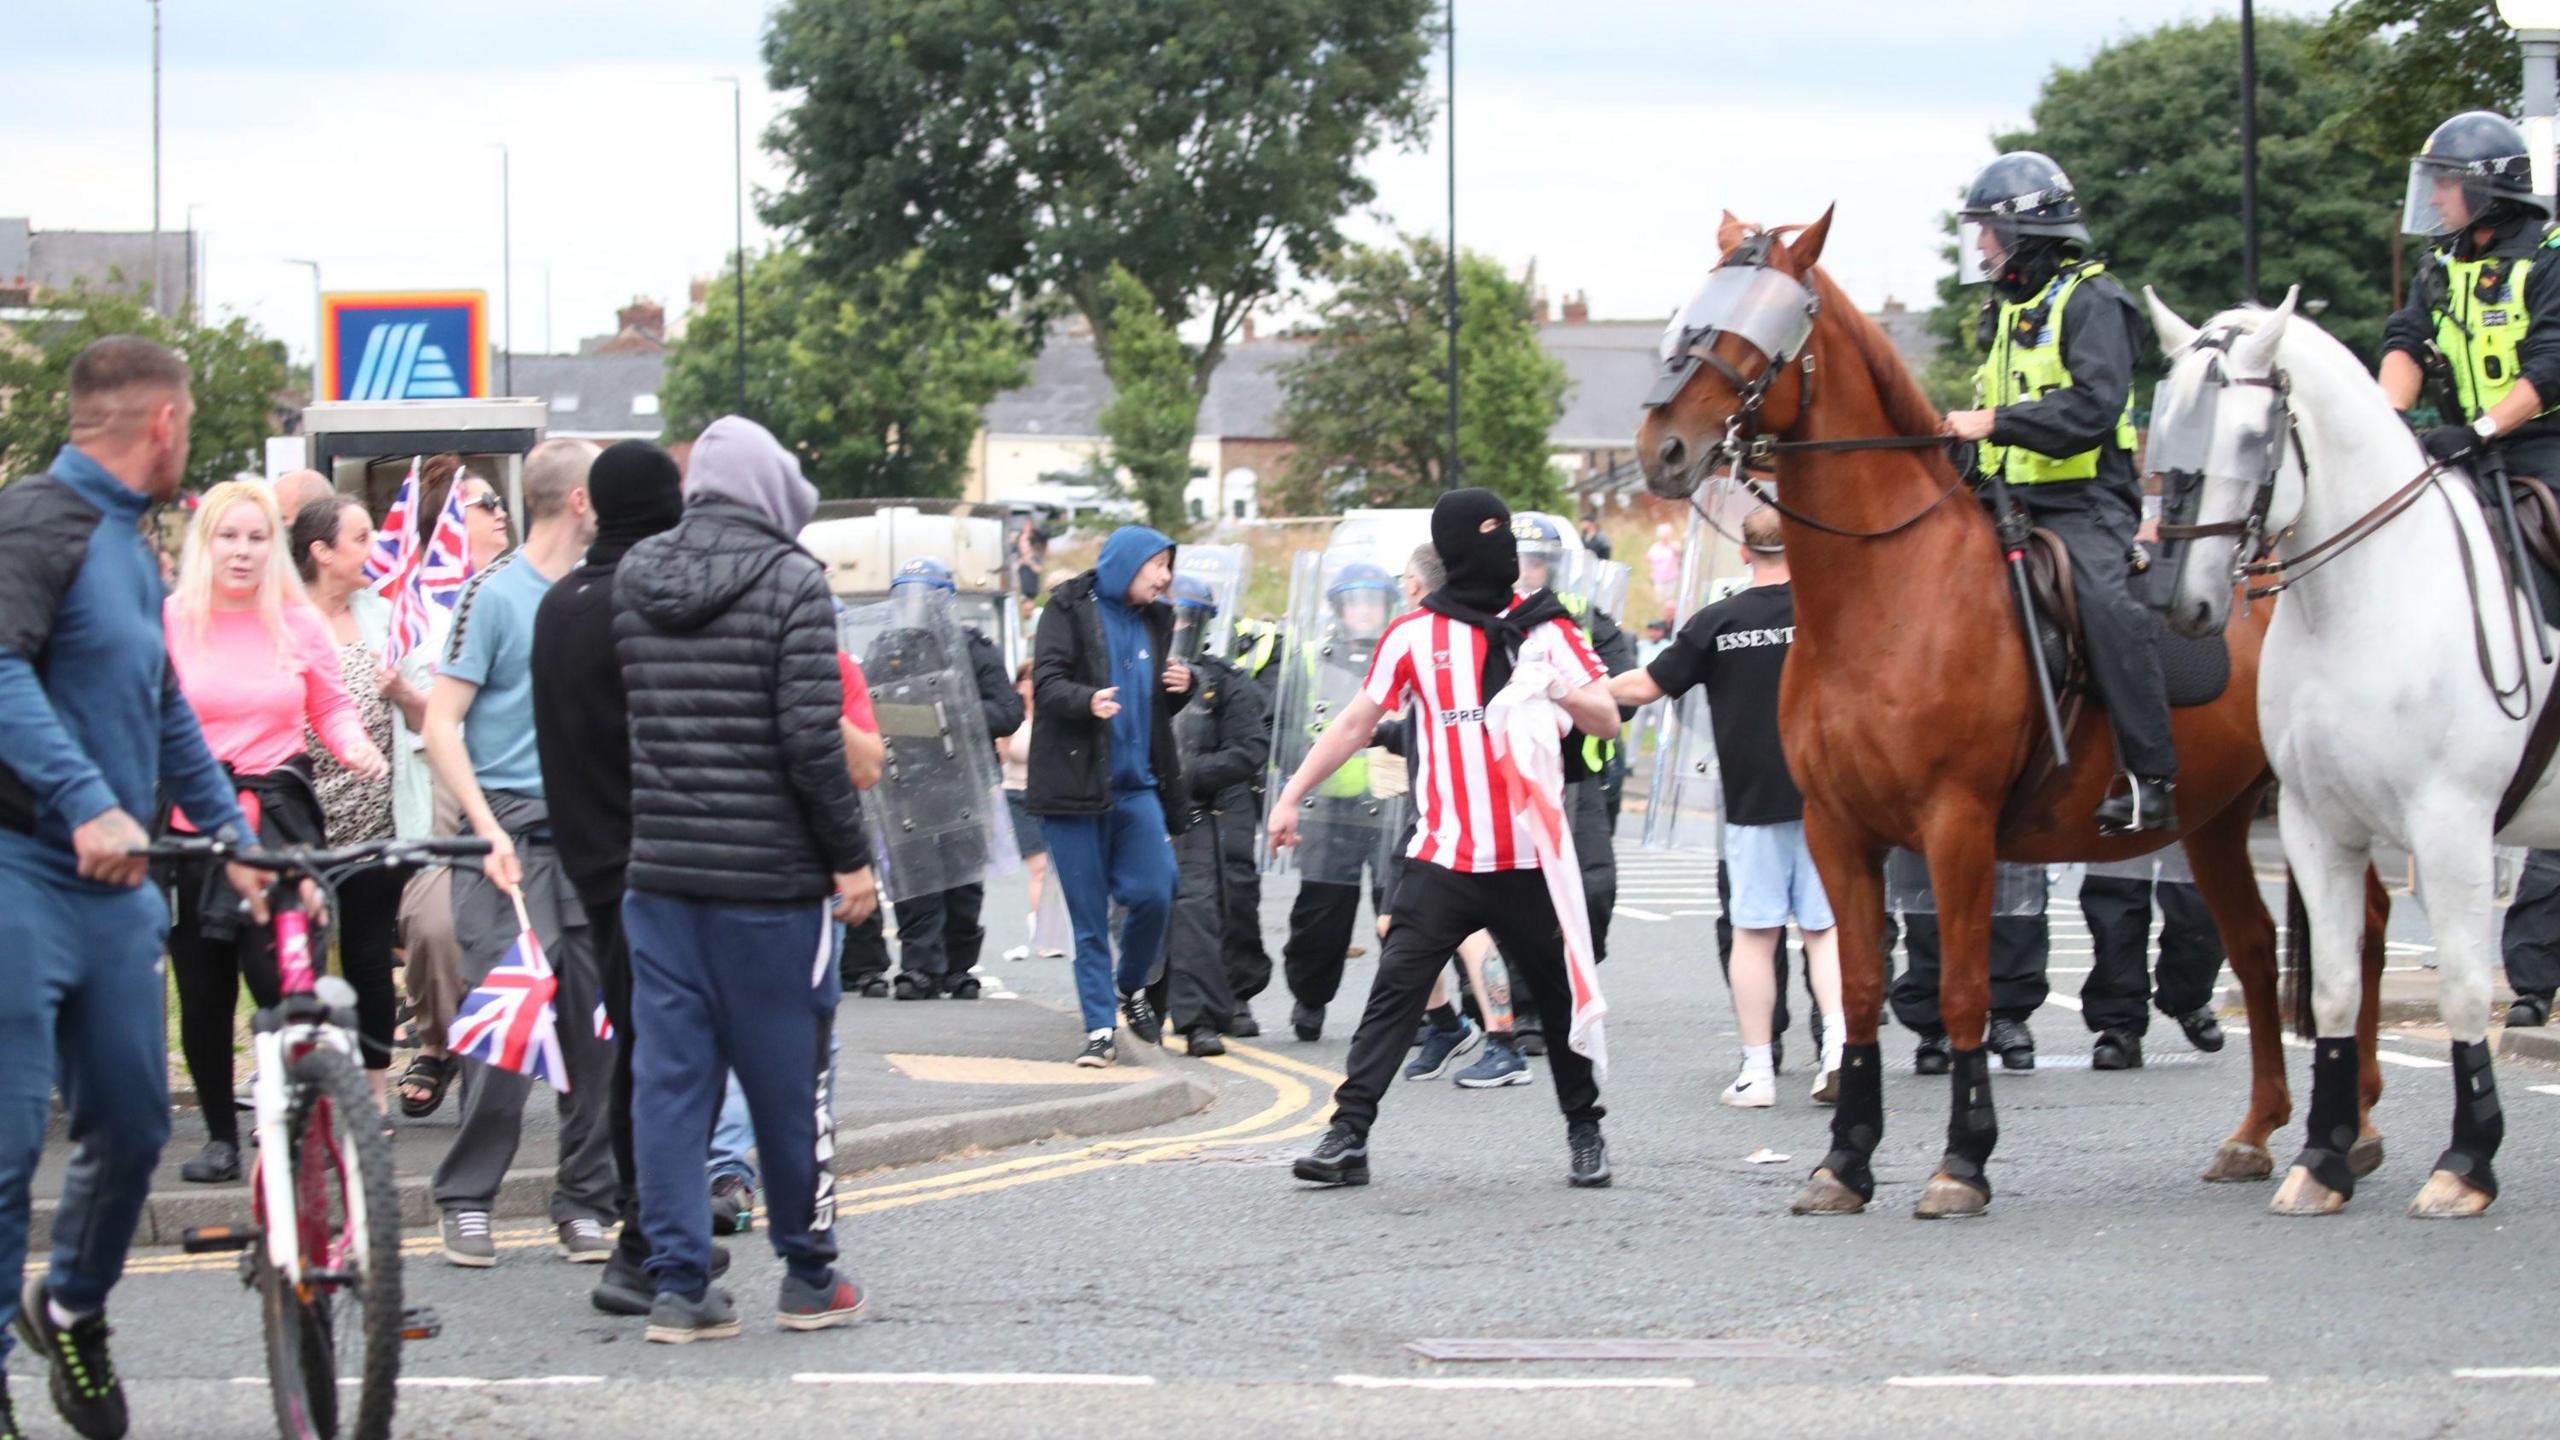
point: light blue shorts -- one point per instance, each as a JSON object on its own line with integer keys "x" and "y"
{"x": 1773, "y": 878}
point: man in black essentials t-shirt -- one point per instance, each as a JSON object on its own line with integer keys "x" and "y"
{"x": 1737, "y": 648}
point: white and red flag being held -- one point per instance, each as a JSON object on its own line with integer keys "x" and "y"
{"x": 1526, "y": 728}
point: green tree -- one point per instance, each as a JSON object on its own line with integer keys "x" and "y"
{"x": 2149, "y": 131}
{"x": 239, "y": 379}
{"x": 1028, "y": 146}
{"x": 1368, "y": 406}
{"x": 876, "y": 385}
{"x": 2443, "y": 57}
{"x": 1153, "y": 409}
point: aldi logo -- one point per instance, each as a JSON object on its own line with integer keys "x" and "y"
{"x": 404, "y": 345}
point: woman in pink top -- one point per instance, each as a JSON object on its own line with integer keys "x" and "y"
{"x": 259, "y": 667}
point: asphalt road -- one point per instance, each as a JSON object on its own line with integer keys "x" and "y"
{"x": 1182, "y": 1278}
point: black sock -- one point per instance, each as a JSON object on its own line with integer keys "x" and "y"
{"x": 1443, "y": 1017}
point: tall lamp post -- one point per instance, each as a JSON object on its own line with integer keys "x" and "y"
{"x": 2248, "y": 151}
{"x": 738, "y": 124}
{"x": 2537, "y": 27}
{"x": 318, "y": 327}
{"x": 1450, "y": 84}
{"x": 159, "y": 301}
{"x": 506, "y": 270}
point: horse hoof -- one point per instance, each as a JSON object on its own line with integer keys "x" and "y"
{"x": 1825, "y": 1195}
{"x": 2448, "y": 1196}
{"x": 2302, "y": 1195}
{"x": 1948, "y": 1198}
{"x": 2365, "y": 1156}
{"x": 2238, "y": 1161}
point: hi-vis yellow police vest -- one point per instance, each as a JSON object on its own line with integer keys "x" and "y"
{"x": 2481, "y": 323}
{"x": 2025, "y": 363}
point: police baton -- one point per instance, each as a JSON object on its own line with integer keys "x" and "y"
{"x": 2492, "y": 466}
{"x": 2013, "y": 528}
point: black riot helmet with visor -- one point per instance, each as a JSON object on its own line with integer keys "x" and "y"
{"x": 1194, "y": 606}
{"x": 2019, "y": 203}
{"x": 2476, "y": 169}
{"x": 1541, "y": 542}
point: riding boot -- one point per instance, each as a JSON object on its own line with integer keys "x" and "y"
{"x": 2330, "y": 1132}
{"x": 2478, "y": 1122}
{"x": 2148, "y": 804}
{"x": 1973, "y": 1127}
{"x": 1857, "y": 1125}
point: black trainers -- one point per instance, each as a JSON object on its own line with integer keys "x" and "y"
{"x": 2204, "y": 1030}
{"x": 626, "y": 1288}
{"x": 1340, "y": 1158}
{"x": 1590, "y": 1169}
{"x": 1099, "y": 1052}
{"x": 818, "y": 1307}
{"x": 2014, "y": 1043}
{"x": 1142, "y": 1018}
{"x": 1242, "y": 1025}
{"x": 218, "y": 1163}
{"x": 2529, "y": 1011}
{"x": 733, "y": 1205}
{"x": 912, "y": 986}
{"x": 675, "y": 1320}
{"x": 2148, "y": 804}
{"x": 81, "y": 1372}
{"x": 2116, "y": 1050}
{"x": 1308, "y": 1021}
{"x": 1933, "y": 1056}
{"x": 1205, "y": 1041}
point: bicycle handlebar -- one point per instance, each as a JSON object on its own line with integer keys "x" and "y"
{"x": 312, "y": 861}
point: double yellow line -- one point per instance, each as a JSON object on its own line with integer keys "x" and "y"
{"x": 1301, "y": 1104}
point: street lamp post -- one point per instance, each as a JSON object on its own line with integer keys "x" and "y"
{"x": 2537, "y": 27}
{"x": 507, "y": 270}
{"x": 318, "y": 327}
{"x": 1450, "y": 84}
{"x": 2248, "y": 151}
{"x": 738, "y": 173}
{"x": 159, "y": 301}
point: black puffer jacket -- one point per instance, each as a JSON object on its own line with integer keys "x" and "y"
{"x": 1070, "y": 768}
{"x": 727, "y": 638}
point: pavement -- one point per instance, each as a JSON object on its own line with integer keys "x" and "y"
{"x": 1178, "y": 1276}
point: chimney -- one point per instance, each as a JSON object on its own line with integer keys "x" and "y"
{"x": 1248, "y": 327}
{"x": 1577, "y": 308}
{"x": 643, "y": 318}
{"x": 701, "y": 292}
{"x": 1893, "y": 306}
{"x": 1538, "y": 311}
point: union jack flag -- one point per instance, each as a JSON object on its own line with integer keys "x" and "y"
{"x": 604, "y": 1023}
{"x": 432, "y": 575}
{"x": 509, "y": 1021}
{"x": 391, "y": 538}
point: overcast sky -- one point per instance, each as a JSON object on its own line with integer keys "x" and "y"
{"x": 1598, "y": 139}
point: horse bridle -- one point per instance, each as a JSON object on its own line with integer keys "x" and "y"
{"x": 2183, "y": 488}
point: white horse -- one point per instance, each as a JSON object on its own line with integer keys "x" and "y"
{"x": 2394, "y": 695}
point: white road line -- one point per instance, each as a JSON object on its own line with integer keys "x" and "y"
{"x": 1972, "y": 1382}
{"x": 2414, "y": 1062}
{"x": 1633, "y": 913}
{"x": 964, "y": 1378}
{"x": 2067, "y": 1002}
{"x": 2510, "y": 1372}
{"x": 1504, "y": 1382}
{"x": 2544, "y": 1089}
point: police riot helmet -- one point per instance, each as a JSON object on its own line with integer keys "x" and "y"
{"x": 2020, "y": 197}
{"x": 924, "y": 571}
{"x": 1361, "y": 578}
{"x": 1192, "y": 593}
{"x": 1541, "y": 543}
{"x": 2476, "y": 169}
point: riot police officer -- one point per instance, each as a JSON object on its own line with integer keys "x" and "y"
{"x": 1225, "y": 739}
{"x": 2488, "y": 302}
{"x": 2056, "y": 424}
{"x": 1544, "y": 566}
{"x": 939, "y": 934}
{"x": 1343, "y": 822}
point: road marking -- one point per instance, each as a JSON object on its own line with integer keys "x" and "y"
{"x": 2544, "y": 1089}
{"x": 1972, "y": 1382}
{"x": 2510, "y": 1372}
{"x": 2414, "y": 1062}
{"x": 451, "y": 1382}
{"x": 1493, "y": 1382}
{"x": 963, "y": 1378}
{"x": 1632, "y": 913}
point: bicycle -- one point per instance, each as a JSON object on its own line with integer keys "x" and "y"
{"x": 325, "y": 1239}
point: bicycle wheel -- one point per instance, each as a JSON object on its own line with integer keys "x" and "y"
{"x": 347, "y": 1212}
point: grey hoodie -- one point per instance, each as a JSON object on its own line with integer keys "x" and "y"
{"x": 740, "y": 460}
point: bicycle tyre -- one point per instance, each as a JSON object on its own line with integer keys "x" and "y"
{"x": 338, "y": 1151}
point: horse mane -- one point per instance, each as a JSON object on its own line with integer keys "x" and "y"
{"x": 1906, "y": 405}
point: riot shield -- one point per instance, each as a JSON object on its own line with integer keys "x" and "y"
{"x": 2017, "y": 889}
{"x": 937, "y": 812}
{"x": 1609, "y": 582}
{"x": 1684, "y": 799}
{"x": 1337, "y": 609}
{"x": 1224, "y": 569}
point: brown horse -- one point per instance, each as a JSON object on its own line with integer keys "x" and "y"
{"x": 1910, "y": 718}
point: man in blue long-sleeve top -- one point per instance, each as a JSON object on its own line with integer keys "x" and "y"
{"x": 91, "y": 725}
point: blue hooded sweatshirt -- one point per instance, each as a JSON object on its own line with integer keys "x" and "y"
{"x": 1133, "y": 660}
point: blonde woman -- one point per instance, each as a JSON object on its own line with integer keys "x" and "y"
{"x": 259, "y": 668}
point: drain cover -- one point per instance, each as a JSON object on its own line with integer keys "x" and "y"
{"x": 1489, "y": 1350}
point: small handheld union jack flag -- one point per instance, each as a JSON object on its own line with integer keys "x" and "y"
{"x": 428, "y": 575}
{"x": 510, "y": 1021}
{"x": 393, "y": 537}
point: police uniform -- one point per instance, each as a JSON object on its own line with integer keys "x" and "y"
{"x": 940, "y": 935}
{"x": 1322, "y": 918}
{"x": 1231, "y": 728}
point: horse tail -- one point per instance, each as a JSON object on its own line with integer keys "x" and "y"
{"x": 2297, "y": 959}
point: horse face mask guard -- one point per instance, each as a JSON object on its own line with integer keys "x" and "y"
{"x": 2223, "y": 428}
{"x": 1757, "y": 303}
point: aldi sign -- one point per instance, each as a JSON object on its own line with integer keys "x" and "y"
{"x": 404, "y": 345}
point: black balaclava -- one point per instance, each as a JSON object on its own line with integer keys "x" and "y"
{"x": 637, "y": 492}
{"x": 1471, "y": 529}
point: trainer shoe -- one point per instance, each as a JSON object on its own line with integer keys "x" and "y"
{"x": 1532, "y": 1042}
{"x": 912, "y": 986}
{"x": 817, "y": 1307}
{"x": 2528, "y": 1011}
{"x": 1501, "y": 1064}
{"x": 1340, "y": 1158}
{"x": 218, "y": 1163}
{"x": 1099, "y": 1052}
{"x": 1933, "y": 1056}
{"x": 626, "y": 1288}
{"x": 466, "y": 1240}
{"x": 1826, "y": 1084}
{"x": 733, "y": 1205}
{"x": 675, "y": 1320}
{"x": 585, "y": 1242}
{"x": 1308, "y": 1021}
{"x": 81, "y": 1373}
{"x": 2204, "y": 1029}
{"x": 1017, "y": 952}
{"x": 2014, "y": 1043}
{"x": 1590, "y": 1167}
{"x": 1753, "y": 1089}
{"x": 1142, "y": 1018}
{"x": 2116, "y": 1050}
{"x": 1441, "y": 1049}
{"x": 1203, "y": 1041}
{"x": 1242, "y": 1025}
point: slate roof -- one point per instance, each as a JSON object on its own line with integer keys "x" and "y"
{"x": 605, "y": 387}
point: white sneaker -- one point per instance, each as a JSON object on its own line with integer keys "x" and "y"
{"x": 1752, "y": 1090}
{"x": 1018, "y": 952}
{"x": 1826, "y": 1086}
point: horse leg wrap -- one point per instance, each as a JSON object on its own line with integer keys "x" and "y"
{"x": 2478, "y": 1122}
{"x": 1973, "y": 1127}
{"x": 1857, "y": 1123}
{"x": 2331, "y": 1131}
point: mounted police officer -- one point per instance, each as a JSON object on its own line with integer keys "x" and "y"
{"x": 2056, "y": 424}
{"x": 2489, "y": 303}
{"x": 1225, "y": 739}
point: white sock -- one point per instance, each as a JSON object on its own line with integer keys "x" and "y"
{"x": 1759, "y": 1058}
{"x": 1104, "y": 1033}
{"x": 62, "y": 1319}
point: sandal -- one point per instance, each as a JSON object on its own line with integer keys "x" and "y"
{"x": 431, "y": 1073}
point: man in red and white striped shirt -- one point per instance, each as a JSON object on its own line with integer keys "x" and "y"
{"x": 1473, "y": 861}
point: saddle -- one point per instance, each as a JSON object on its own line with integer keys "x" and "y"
{"x": 2196, "y": 671}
